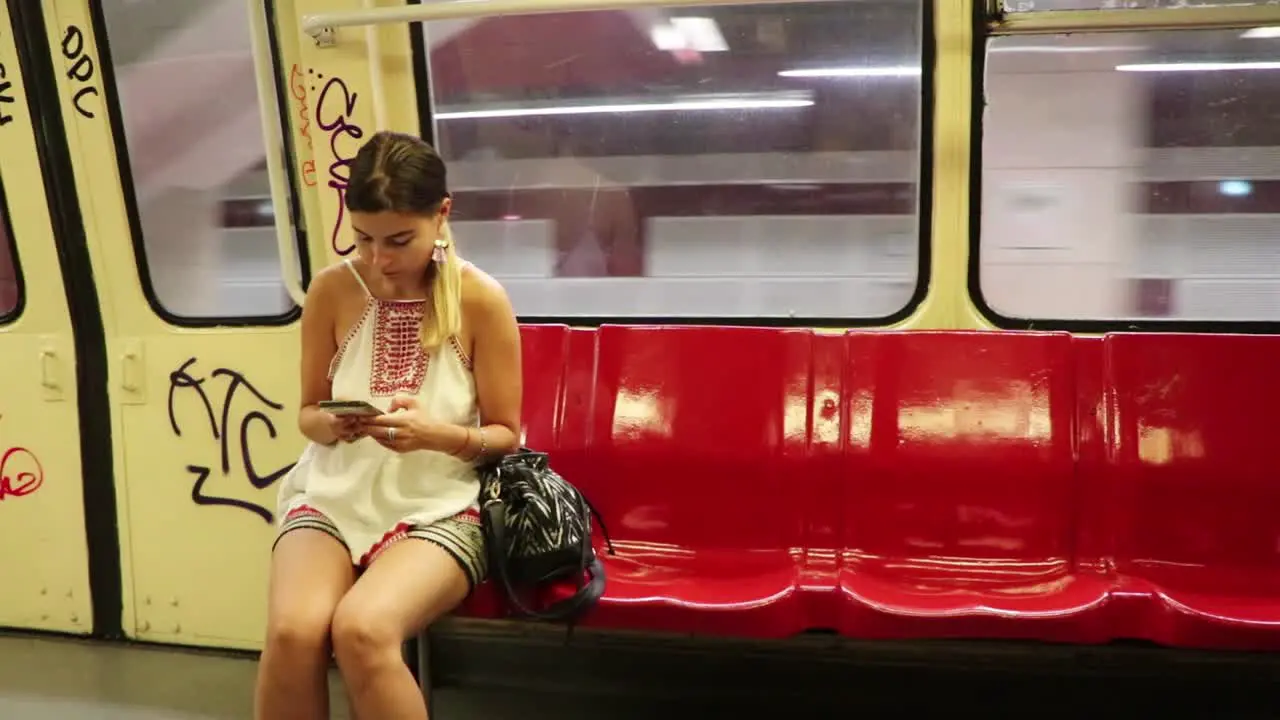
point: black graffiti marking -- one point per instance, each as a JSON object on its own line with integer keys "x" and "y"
{"x": 80, "y": 95}
{"x": 5, "y": 98}
{"x": 82, "y": 69}
{"x": 199, "y": 498}
{"x": 337, "y": 122}
{"x": 218, "y": 426}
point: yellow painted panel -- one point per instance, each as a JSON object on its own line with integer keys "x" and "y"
{"x": 204, "y": 450}
{"x": 339, "y": 103}
{"x": 45, "y": 580}
{"x": 117, "y": 284}
{"x": 194, "y": 532}
{"x": 299, "y": 111}
{"x": 947, "y": 304}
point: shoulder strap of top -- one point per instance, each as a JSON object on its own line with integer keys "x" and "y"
{"x": 359, "y": 279}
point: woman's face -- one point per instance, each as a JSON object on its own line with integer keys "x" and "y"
{"x": 397, "y": 245}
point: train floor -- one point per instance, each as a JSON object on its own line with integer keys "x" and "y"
{"x": 64, "y": 678}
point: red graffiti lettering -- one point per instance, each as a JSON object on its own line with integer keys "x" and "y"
{"x": 298, "y": 89}
{"x": 23, "y": 480}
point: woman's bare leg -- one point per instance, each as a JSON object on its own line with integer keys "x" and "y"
{"x": 310, "y": 572}
{"x": 410, "y": 585}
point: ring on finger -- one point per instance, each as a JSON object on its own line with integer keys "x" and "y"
{"x": 391, "y": 434}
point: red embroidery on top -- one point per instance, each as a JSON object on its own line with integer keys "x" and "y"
{"x": 462, "y": 354}
{"x": 399, "y": 362}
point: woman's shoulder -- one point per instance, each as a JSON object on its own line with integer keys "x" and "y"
{"x": 334, "y": 282}
{"x": 482, "y": 294}
{"x": 486, "y": 309}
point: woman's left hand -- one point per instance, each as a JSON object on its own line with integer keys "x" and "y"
{"x": 404, "y": 427}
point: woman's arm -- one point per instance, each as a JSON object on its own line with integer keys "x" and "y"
{"x": 318, "y": 349}
{"x": 496, "y": 367}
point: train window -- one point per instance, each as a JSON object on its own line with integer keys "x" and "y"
{"x": 195, "y": 157}
{"x": 1132, "y": 176}
{"x": 1042, "y": 5}
{"x": 719, "y": 162}
{"x": 10, "y": 276}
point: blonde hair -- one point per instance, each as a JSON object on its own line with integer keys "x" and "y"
{"x": 402, "y": 173}
{"x": 445, "y": 319}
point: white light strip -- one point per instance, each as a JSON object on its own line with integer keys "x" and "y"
{"x": 1262, "y": 32}
{"x": 1198, "y": 66}
{"x": 835, "y": 72}
{"x": 724, "y": 104}
{"x": 1055, "y": 50}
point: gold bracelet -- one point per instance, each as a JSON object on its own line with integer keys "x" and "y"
{"x": 466, "y": 442}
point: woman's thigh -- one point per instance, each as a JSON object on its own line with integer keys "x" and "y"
{"x": 409, "y": 586}
{"x": 311, "y": 571}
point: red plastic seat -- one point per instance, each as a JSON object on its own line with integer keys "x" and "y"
{"x": 823, "y": 480}
{"x": 959, "y": 500}
{"x": 696, "y": 459}
{"x": 570, "y": 454}
{"x": 1195, "y": 487}
{"x": 544, "y": 353}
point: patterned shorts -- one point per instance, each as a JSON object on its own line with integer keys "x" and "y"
{"x": 460, "y": 536}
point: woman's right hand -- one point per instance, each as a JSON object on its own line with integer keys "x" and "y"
{"x": 347, "y": 428}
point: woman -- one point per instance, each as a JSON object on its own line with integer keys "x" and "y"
{"x": 379, "y": 532}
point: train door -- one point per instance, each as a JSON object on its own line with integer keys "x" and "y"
{"x": 162, "y": 114}
{"x": 42, "y": 522}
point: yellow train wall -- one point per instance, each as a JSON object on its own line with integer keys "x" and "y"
{"x": 44, "y": 564}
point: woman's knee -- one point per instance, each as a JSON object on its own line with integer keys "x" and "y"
{"x": 363, "y": 637}
{"x": 310, "y": 573}
{"x": 300, "y": 633}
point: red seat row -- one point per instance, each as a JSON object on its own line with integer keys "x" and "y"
{"x": 1031, "y": 485}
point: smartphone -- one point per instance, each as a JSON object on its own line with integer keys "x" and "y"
{"x": 349, "y": 407}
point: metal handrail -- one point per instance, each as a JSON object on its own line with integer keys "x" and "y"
{"x": 1131, "y": 20}
{"x": 273, "y": 138}
{"x": 314, "y": 24}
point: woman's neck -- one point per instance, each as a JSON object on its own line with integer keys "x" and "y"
{"x": 387, "y": 289}
{"x": 392, "y": 291}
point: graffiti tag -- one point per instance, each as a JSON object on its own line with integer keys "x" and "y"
{"x": 219, "y": 427}
{"x": 299, "y": 91}
{"x": 334, "y": 107}
{"x": 6, "y": 86}
{"x": 19, "y": 481}
{"x": 82, "y": 69}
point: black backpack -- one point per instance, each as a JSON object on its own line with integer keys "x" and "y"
{"x": 537, "y": 529}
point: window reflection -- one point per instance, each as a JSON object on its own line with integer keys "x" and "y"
{"x": 726, "y": 161}
{"x": 196, "y": 156}
{"x": 1132, "y": 176}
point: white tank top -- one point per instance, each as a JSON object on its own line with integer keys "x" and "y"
{"x": 365, "y": 489}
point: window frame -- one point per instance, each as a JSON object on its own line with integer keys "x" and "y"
{"x": 928, "y": 38}
{"x": 989, "y": 25}
{"x": 14, "y": 314}
{"x": 1145, "y": 18}
{"x": 111, "y": 102}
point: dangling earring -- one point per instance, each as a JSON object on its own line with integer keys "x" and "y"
{"x": 438, "y": 255}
